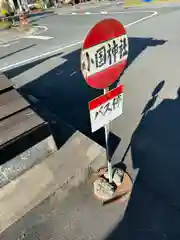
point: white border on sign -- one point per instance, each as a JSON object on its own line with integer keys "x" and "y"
{"x": 98, "y": 121}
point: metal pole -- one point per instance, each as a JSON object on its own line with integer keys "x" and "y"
{"x": 19, "y": 5}
{"x": 107, "y": 131}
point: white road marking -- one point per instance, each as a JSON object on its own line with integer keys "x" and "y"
{"x": 42, "y": 27}
{"x": 90, "y": 7}
{"x": 109, "y": 13}
{"x": 87, "y": 13}
{"x": 142, "y": 19}
{"x": 41, "y": 56}
{"x": 38, "y": 37}
{"x": 101, "y": 5}
{"x": 8, "y": 44}
{"x": 34, "y": 36}
{"x": 73, "y": 73}
{"x": 14, "y": 65}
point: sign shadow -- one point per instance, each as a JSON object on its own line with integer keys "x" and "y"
{"x": 138, "y": 45}
{"x": 63, "y": 95}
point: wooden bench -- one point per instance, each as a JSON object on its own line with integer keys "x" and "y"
{"x": 20, "y": 126}
{"x": 10, "y": 103}
{"x": 5, "y": 84}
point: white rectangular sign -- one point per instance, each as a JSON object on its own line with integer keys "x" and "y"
{"x": 104, "y": 55}
{"x": 106, "y": 108}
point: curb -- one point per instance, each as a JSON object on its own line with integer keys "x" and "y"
{"x": 63, "y": 170}
{"x": 32, "y": 13}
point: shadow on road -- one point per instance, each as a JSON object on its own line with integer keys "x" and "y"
{"x": 138, "y": 45}
{"x": 147, "y": 107}
{"x": 19, "y": 50}
{"x": 153, "y": 211}
{"x": 64, "y": 93}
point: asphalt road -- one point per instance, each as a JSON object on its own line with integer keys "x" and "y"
{"x": 57, "y": 83}
{"x": 64, "y": 31}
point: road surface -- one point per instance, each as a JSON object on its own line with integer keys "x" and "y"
{"x": 49, "y": 70}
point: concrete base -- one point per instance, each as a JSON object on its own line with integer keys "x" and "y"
{"x": 103, "y": 189}
{"x": 109, "y": 192}
{"x": 117, "y": 176}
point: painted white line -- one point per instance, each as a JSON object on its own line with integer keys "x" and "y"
{"x": 100, "y": 5}
{"x": 109, "y": 13}
{"x": 44, "y": 28}
{"x": 87, "y": 13}
{"x": 8, "y": 44}
{"x": 90, "y": 7}
{"x": 41, "y": 56}
{"x": 125, "y": 12}
{"x": 142, "y": 19}
{"x": 34, "y": 36}
{"x": 73, "y": 73}
{"x": 38, "y": 37}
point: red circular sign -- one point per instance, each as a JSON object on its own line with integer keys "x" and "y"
{"x": 104, "y": 53}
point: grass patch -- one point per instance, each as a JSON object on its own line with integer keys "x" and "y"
{"x": 5, "y": 25}
{"x": 131, "y": 3}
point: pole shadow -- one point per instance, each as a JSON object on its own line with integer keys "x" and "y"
{"x": 153, "y": 211}
{"x": 147, "y": 107}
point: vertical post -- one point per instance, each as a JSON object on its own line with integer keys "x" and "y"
{"x": 20, "y": 6}
{"x": 107, "y": 131}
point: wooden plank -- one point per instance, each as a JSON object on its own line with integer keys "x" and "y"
{"x": 11, "y": 102}
{"x": 18, "y": 124}
{"x": 5, "y": 83}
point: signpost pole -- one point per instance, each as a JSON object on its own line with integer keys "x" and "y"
{"x": 103, "y": 58}
{"x": 107, "y": 132}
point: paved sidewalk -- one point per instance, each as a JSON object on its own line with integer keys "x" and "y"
{"x": 80, "y": 216}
